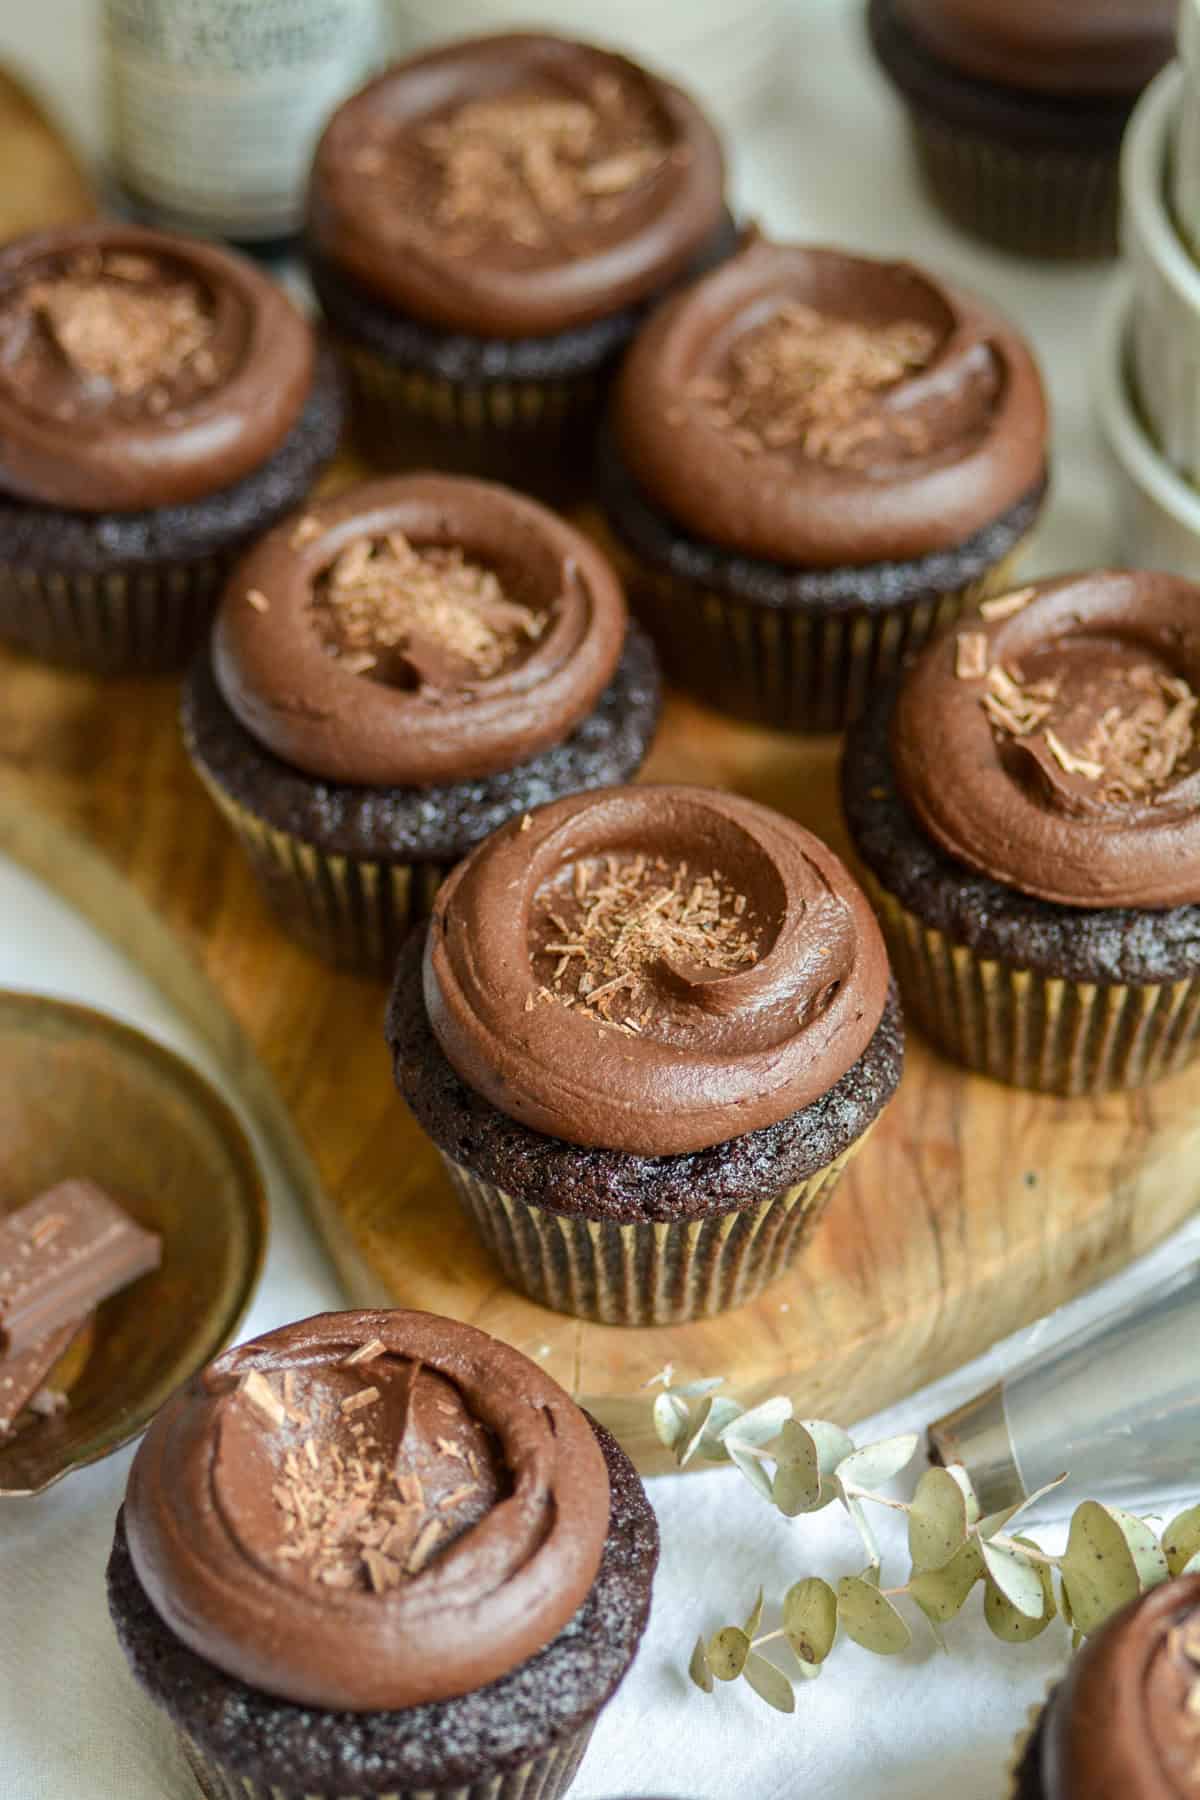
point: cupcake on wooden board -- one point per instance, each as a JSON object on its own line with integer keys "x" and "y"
{"x": 487, "y": 223}
{"x": 1124, "y": 1723}
{"x": 393, "y": 674}
{"x": 1018, "y": 110}
{"x": 380, "y": 1554}
{"x": 161, "y": 404}
{"x": 814, "y": 461}
{"x": 1027, "y": 806}
{"x": 647, "y": 1029}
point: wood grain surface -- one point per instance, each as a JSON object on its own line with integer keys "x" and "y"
{"x": 971, "y": 1211}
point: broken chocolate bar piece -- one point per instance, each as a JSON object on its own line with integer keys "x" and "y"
{"x": 22, "y": 1376}
{"x": 61, "y": 1255}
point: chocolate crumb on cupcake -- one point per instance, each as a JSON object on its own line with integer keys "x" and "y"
{"x": 1026, "y": 805}
{"x": 161, "y": 403}
{"x": 647, "y": 1029}
{"x": 380, "y": 1554}
{"x": 393, "y": 674}
{"x": 486, "y": 225}
{"x": 814, "y": 461}
{"x": 1018, "y": 110}
{"x": 1124, "y": 1723}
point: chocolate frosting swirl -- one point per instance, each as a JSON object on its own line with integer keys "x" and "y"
{"x": 141, "y": 370}
{"x": 368, "y": 1511}
{"x": 1054, "y": 747}
{"x": 516, "y": 186}
{"x": 1056, "y": 46}
{"x": 810, "y": 407}
{"x": 1124, "y": 1724}
{"x": 653, "y": 969}
{"x": 548, "y": 632}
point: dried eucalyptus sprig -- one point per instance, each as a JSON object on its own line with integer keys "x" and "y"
{"x": 803, "y": 1465}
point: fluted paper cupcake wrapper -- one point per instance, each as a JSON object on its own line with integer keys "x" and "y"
{"x": 1031, "y": 1030}
{"x": 545, "y": 1777}
{"x": 796, "y": 670}
{"x": 353, "y": 911}
{"x": 645, "y": 1273}
{"x": 1024, "y": 1738}
{"x": 537, "y": 434}
{"x": 127, "y": 621}
{"x": 1045, "y": 203}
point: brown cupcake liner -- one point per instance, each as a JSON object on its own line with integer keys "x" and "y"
{"x": 645, "y": 1273}
{"x": 1017, "y": 1788}
{"x": 802, "y": 670}
{"x": 355, "y": 912}
{"x": 544, "y": 1777}
{"x": 1036, "y": 1031}
{"x": 125, "y": 621}
{"x": 1033, "y": 202}
{"x": 525, "y": 433}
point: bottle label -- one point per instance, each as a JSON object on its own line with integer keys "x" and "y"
{"x": 215, "y": 105}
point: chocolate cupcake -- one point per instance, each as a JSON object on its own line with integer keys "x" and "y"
{"x": 647, "y": 1029}
{"x": 393, "y": 675}
{"x": 486, "y": 226}
{"x": 1026, "y": 807}
{"x": 161, "y": 403}
{"x": 814, "y": 461}
{"x": 1017, "y": 111}
{"x": 1124, "y": 1724}
{"x": 380, "y": 1554}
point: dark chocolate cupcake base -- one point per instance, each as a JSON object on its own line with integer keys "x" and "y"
{"x": 1060, "y": 999}
{"x": 521, "y": 1738}
{"x": 799, "y": 649}
{"x": 133, "y": 593}
{"x": 348, "y": 869}
{"x": 1033, "y": 173}
{"x": 634, "y": 1240}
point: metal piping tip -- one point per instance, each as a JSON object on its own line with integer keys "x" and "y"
{"x": 977, "y": 1436}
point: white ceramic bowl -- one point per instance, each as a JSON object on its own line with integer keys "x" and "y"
{"x": 1165, "y": 341}
{"x": 1184, "y": 179}
{"x": 1158, "y": 515}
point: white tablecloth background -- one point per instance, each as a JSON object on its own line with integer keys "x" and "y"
{"x": 827, "y": 162}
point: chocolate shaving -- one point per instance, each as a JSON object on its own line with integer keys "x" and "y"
{"x": 1004, "y": 606}
{"x": 355, "y": 1402}
{"x": 366, "y": 1353}
{"x": 111, "y": 330}
{"x": 424, "y": 1547}
{"x": 1014, "y": 706}
{"x": 258, "y": 600}
{"x": 258, "y": 1392}
{"x": 1067, "y": 759}
{"x": 971, "y": 655}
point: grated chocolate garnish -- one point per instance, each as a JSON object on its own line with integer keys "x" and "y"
{"x": 1004, "y": 606}
{"x": 1015, "y": 706}
{"x": 420, "y": 617}
{"x": 971, "y": 655}
{"x": 113, "y": 329}
{"x": 806, "y": 381}
{"x": 618, "y": 917}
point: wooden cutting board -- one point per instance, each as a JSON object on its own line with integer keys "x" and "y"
{"x": 971, "y": 1211}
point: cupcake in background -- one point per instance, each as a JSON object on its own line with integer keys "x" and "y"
{"x": 162, "y": 403}
{"x": 487, "y": 224}
{"x": 380, "y": 1554}
{"x": 1027, "y": 806}
{"x": 1018, "y": 110}
{"x": 393, "y": 674}
{"x": 1124, "y": 1723}
{"x": 646, "y": 1030}
{"x": 814, "y": 460}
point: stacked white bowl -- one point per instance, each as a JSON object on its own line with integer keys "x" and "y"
{"x": 726, "y": 55}
{"x": 1148, "y": 355}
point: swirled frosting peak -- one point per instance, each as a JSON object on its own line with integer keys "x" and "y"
{"x": 653, "y": 969}
{"x": 140, "y": 370}
{"x": 368, "y": 1511}
{"x": 810, "y": 407}
{"x": 418, "y": 630}
{"x": 1055, "y": 744}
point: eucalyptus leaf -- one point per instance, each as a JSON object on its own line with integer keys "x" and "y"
{"x": 1181, "y": 1540}
{"x": 942, "y": 1593}
{"x": 1006, "y": 1621}
{"x": 696, "y": 1390}
{"x": 687, "y": 1447}
{"x": 762, "y": 1423}
{"x": 797, "y": 1490}
{"x": 810, "y": 1615}
{"x": 861, "y": 1523}
{"x": 937, "y": 1520}
{"x": 1018, "y": 1579}
{"x": 833, "y": 1445}
{"x": 877, "y": 1463}
{"x": 1192, "y": 1567}
{"x": 699, "y": 1668}
{"x": 755, "y": 1620}
{"x": 1098, "y": 1567}
{"x": 870, "y": 1618}
{"x": 1144, "y": 1547}
{"x": 751, "y": 1468}
{"x": 727, "y": 1653}
{"x": 670, "y": 1419}
{"x": 959, "y": 1476}
{"x": 722, "y": 1413}
{"x": 770, "y": 1683}
{"x": 997, "y": 1521}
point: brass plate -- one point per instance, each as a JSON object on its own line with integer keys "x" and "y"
{"x": 83, "y": 1094}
